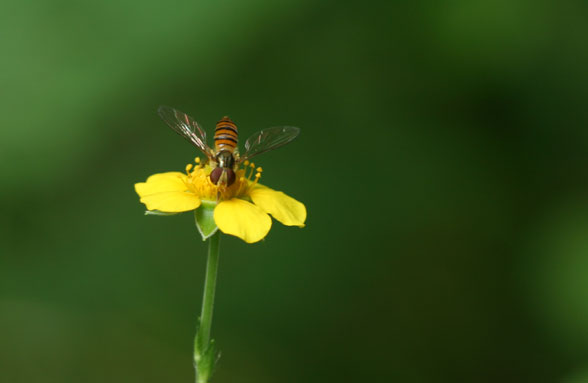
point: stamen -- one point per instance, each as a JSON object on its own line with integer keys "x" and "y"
{"x": 197, "y": 160}
{"x": 257, "y": 177}
{"x": 246, "y": 162}
{"x": 252, "y": 165}
{"x": 259, "y": 169}
{"x": 188, "y": 168}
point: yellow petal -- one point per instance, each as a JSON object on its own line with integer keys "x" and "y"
{"x": 162, "y": 182}
{"x": 171, "y": 202}
{"x": 242, "y": 219}
{"x": 282, "y": 207}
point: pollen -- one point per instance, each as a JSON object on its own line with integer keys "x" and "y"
{"x": 199, "y": 183}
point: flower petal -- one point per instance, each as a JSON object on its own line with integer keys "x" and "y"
{"x": 242, "y": 219}
{"x": 162, "y": 182}
{"x": 282, "y": 207}
{"x": 171, "y": 202}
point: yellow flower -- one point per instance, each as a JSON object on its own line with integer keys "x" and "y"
{"x": 240, "y": 209}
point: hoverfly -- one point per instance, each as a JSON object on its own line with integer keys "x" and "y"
{"x": 225, "y": 157}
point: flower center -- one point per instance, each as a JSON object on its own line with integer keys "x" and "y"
{"x": 199, "y": 183}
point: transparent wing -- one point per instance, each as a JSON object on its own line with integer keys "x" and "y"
{"x": 185, "y": 126}
{"x": 268, "y": 139}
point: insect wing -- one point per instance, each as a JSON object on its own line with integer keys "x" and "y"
{"x": 268, "y": 139}
{"x": 185, "y": 126}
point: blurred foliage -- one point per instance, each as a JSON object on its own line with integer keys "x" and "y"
{"x": 442, "y": 159}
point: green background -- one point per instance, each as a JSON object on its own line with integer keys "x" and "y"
{"x": 443, "y": 160}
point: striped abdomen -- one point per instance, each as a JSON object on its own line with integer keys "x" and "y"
{"x": 225, "y": 135}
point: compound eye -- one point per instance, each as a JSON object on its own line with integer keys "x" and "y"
{"x": 230, "y": 176}
{"x": 216, "y": 174}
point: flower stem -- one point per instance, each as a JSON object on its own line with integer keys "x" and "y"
{"x": 209, "y": 287}
{"x": 204, "y": 352}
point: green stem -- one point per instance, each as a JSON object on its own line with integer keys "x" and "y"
{"x": 204, "y": 354}
{"x": 209, "y": 287}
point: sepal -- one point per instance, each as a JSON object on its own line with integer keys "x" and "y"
{"x": 157, "y": 212}
{"x": 204, "y": 217}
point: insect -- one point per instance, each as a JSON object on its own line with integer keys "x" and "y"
{"x": 225, "y": 157}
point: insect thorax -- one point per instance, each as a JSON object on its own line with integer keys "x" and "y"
{"x": 225, "y": 159}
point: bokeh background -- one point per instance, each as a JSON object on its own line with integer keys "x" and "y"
{"x": 443, "y": 161}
